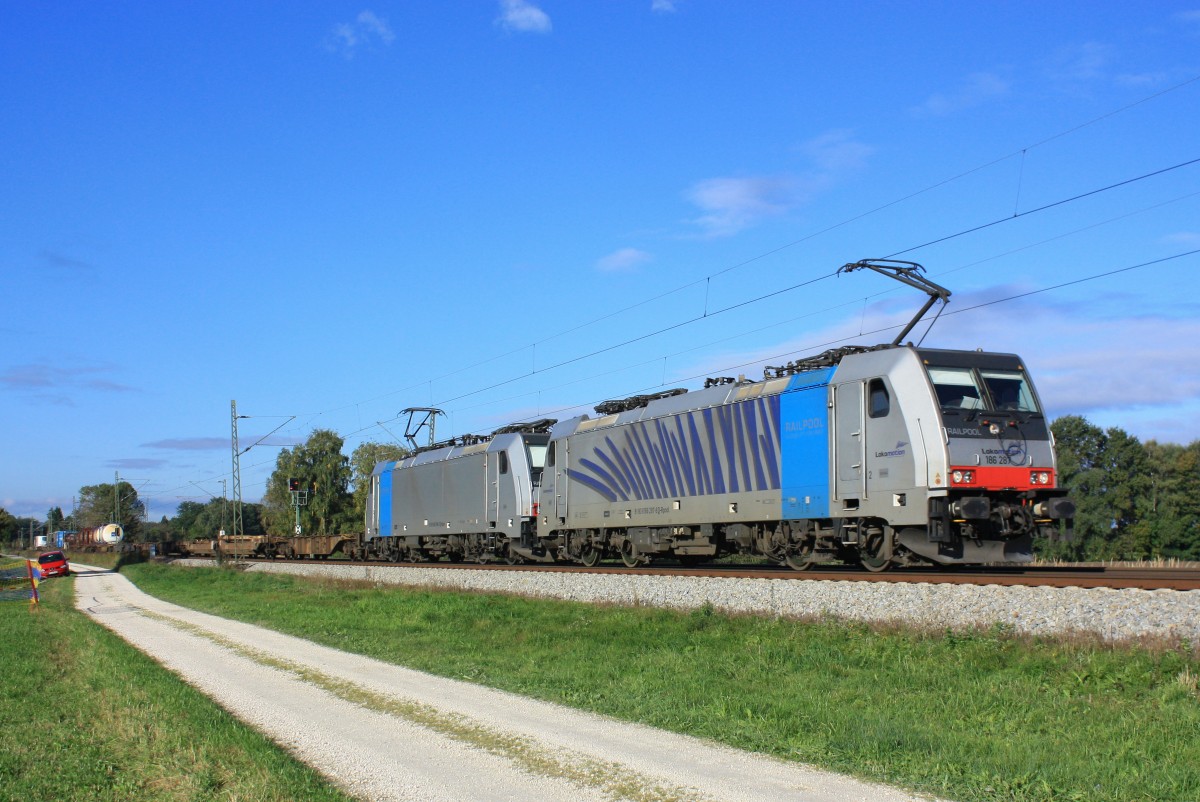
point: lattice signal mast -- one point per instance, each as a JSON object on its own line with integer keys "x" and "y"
{"x": 238, "y": 529}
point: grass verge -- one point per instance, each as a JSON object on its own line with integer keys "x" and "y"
{"x": 974, "y": 716}
{"x": 84, "y": 716}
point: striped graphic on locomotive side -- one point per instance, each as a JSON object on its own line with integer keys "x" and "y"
{"x": 718, "y": 450}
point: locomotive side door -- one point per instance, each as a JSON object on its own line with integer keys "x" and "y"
{"x": 553, "y": 483}
{"x": 849, "y": 441}
{"x": 560, "y": 478}
{"x": 505, "y": 504}
{"x": 491, "y": 469}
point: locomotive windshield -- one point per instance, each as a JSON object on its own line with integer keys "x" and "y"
{"x": 1009, "y": 390}
{"x": 537, "y": 455}
{"x": 956, "y": 388}
{"x": 973, "y": 389}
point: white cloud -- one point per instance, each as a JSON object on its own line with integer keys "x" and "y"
{"x": 663, "y": 6}
{"x": 977, "y": 89}
{"x": 1141, "y": 79}
{"x": 837, "y": 152}
{"x": 1188, "y": 239}
{"x": 622, "y": 260}
{"x": 731, "y": 204}
{"x": 1081, "y": 63}
{"x": 372, "y": 24}
{"x": 523, "y": 16}
{"x": 366, "y": 30}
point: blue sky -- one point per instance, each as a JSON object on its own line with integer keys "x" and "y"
{"x": 513, "y": 209}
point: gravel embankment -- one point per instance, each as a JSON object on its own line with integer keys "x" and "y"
{"x": 388, "y": 733}
{"x": 1113, "y": 615}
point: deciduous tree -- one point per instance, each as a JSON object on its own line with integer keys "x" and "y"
{"x": 362, "y": 463}
{"x": 98, "y": 504}
{"x": 1134, "y": 501}
{"x": 324, "y": 474}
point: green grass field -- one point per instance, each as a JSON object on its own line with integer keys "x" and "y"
{"x": 974, "y": 716}
{"x": 86, "y": 718}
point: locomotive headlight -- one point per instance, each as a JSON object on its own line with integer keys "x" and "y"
{"x": 1039, "y": 477}
{"x": 963, "y": 477}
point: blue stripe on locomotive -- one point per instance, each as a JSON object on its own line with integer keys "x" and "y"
{"x": 385, "y": 500}
{"x": 805, "y": 446}
{"x": 777, "y": 443}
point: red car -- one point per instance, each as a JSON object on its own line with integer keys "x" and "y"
{"x": 53, "y": 563}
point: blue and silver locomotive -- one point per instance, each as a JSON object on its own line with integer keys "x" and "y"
{"x": 466, "y": 498}
{"x": 884, "y": 455}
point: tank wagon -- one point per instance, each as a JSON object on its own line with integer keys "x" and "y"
{"x": 94, "y": 538}
{"x": 472, "y": 497}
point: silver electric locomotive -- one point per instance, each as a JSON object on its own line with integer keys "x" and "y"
{"x": 885, "y": 455}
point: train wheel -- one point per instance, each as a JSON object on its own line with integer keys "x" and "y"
{"x": 512, "y": 558}
{"x": 876, "y": 550}
{"x": 591, "y": 556}
{"x": 800, "y": 561}
{"x": 629, "y": 554}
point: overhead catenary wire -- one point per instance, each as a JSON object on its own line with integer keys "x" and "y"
{"x": 826, "y": 344}
{"x": 514, "y": 379}
{"x": 1047, "y": 206}
{"x": 782, "y": 291}
{"x": 883, "y": 329}
{"x": 1022, "y": 151}
{"x": 707, "y": 279}
{"x": 707, "y": 315}
{"x": 829, "y": 343}
{"x": 710, "y": 314}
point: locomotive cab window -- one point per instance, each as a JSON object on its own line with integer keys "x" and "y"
{"x": 879, "y": 402}
{"x": 956, "y": 388}
{"x": 540, "y": 455}
{"x": 503, "y": 462}
{"x": 1009, "y": 390}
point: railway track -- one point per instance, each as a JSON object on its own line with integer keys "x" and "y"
{"x": 1027, "y": 576}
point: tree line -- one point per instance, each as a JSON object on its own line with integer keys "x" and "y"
{"x": 333, "y": 489}
{"x": 1134, "y": 500}
{"x": 96, "y": 505}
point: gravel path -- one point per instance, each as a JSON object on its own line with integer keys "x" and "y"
{"x": 389, "y": 733}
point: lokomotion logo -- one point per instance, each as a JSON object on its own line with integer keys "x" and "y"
{"x": 899, "y": 451}
{"x": 1015, "y": 451}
